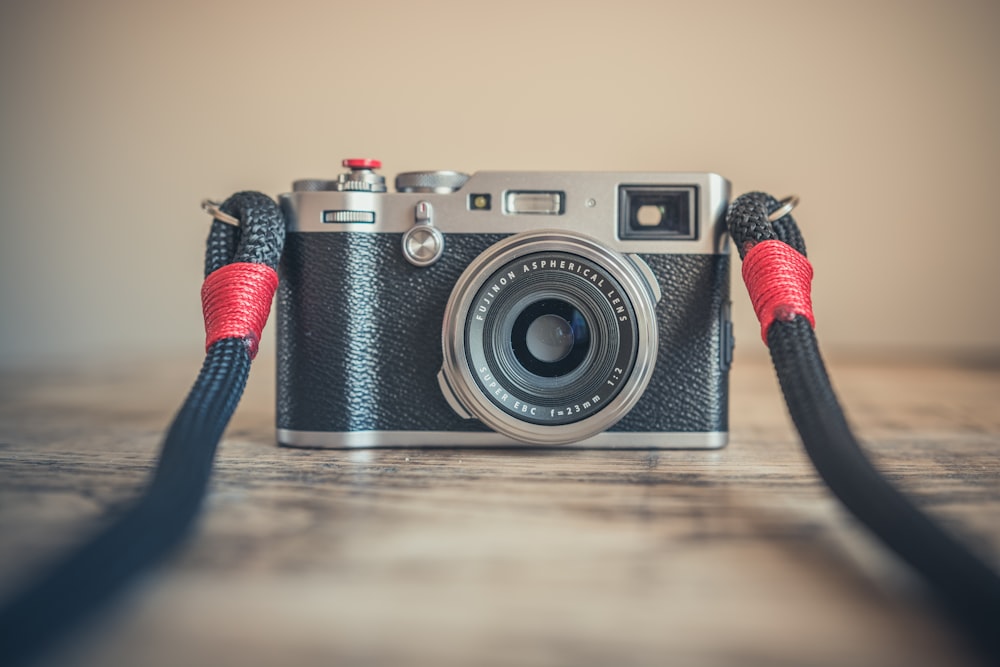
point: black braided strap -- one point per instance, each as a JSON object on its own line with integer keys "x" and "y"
{"x": 160, "y": 519}
{"x": 962, "y": 582}
{"x": 259, "y": 239}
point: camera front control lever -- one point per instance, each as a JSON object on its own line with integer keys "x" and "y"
{"x": 423, "y": 244}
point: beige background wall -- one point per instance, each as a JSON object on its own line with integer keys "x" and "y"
{"x": 118, "y": 117}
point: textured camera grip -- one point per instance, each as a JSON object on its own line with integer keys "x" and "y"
{"x": 689, "y": 390}
{"x": 359, "y": 333}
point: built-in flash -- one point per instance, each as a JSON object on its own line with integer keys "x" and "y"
{"x": 545, "y": 203}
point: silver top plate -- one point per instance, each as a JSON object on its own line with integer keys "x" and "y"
{"x": 589, "y": 201}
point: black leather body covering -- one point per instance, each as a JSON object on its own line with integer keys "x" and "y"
{"x": 359, "y": 337}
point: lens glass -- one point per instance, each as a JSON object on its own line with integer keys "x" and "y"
{"x": 551, "y": 337}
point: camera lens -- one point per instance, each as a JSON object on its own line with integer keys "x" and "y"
{"x": 549, "y": 337}
{"x": 552, "y": 338}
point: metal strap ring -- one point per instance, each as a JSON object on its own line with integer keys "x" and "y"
{"x": 786, "y": 206}
{"x": 212, "y": 207}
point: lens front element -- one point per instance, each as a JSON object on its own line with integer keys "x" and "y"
{"x": 522, "y": 347}
{"x": 546, "y": 333}
{"x": 549, "y": 337}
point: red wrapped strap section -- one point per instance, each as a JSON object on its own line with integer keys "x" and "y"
{"x": 779, "y": 280}
{"x": 236, "y": 300}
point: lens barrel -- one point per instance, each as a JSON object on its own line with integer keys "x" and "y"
{"x": 549, "y": 337}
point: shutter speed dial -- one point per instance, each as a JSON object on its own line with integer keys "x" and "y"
{"x": 440, "y": 182}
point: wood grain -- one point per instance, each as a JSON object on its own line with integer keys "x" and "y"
{"x": 464, "y": 557}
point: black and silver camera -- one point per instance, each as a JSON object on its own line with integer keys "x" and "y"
{"x": 504, "y": 308}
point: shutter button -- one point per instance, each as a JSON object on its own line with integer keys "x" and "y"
{"x": 423, "y": 243}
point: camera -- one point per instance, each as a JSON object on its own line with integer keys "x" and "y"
{"x": 504, "y": 308}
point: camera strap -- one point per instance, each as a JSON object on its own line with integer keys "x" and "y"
{"x": 243, "y": 249}
{"x": 240, "y": 269}
{"x": 777, "y": 275}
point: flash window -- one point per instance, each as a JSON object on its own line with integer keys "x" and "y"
{"x": 534, "y": 202}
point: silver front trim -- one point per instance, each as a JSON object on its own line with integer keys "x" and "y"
{"x": 451, "y": 439}
{"x": 647, "y": 273}
{"x": 449, "y": 396}
{"x": 460, "y": 377}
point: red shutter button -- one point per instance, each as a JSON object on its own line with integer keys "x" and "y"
{"x": 362, "y": 163}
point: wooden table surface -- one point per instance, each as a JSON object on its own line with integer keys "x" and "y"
{"x": 424, "y": 557}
